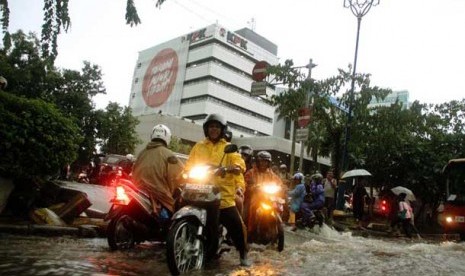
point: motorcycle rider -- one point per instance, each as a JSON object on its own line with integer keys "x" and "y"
{"x": 156, "y": 170}
{"x": 296, "y": 198}
{"x": 246, "y": 152}
{"x": 261, "y": 173}
{"x": 210, "y": 151}
{"x": 240, "y": 183}
{"x": 314, "y": 200}
{"x": 285, "y": 176}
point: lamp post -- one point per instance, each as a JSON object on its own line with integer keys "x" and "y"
{"x": 310, "y": 66}
{"x": 359, "y": 8}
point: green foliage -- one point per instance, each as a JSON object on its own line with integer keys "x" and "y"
{"x": 176, "y": 145}
{"x": 37, "y": 140}
{"x": 117, "y": 130}
{"x": 71, "y": 92}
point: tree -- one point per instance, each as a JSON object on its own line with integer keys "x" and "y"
{"x": 37, "y": 139}
{"x": 29, "y": 75}
{"x": 288, "y": 103}
{"x": 71, "y": 91}
{"x": 56, "y": 19}
{"x": 117, "y": 130}
{"x": 176, "y": 145}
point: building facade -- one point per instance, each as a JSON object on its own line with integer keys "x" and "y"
{"x": 401, "y": 96}
{"x": 203, "y": 72}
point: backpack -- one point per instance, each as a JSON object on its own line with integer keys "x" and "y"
{"x": 309, "y": 196}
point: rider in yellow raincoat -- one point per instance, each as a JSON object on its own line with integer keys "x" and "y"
{"x": 210, "y": 151}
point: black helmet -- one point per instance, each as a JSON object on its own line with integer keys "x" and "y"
{"x": 264, "y": 155}
{"x": 215, "y": 118}
{"x": 246, "y": 149}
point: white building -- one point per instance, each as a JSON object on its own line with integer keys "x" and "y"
{"x": 401, "y": 96}
{"x": 207, "y": 71}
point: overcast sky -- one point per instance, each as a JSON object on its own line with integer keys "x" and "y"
{"x": 414, "y": 45}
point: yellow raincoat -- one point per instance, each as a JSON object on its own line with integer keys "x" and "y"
{"x": 205, "y": 152}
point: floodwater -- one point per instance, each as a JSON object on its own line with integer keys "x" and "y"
{"x": 326, "y": 253}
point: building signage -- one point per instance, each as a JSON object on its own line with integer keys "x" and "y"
{"x": 160, "y": 77}
{"x": 195, "y": 36}
{"x": 236, "y": 40}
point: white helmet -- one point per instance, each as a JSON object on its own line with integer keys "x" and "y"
{"x": 161, "y": 132}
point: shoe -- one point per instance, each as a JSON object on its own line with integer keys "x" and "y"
{"x": 245, "y": 262}
{"x": 293, "y": 228}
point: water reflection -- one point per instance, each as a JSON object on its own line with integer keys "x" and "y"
{"x": 305, "y": 253}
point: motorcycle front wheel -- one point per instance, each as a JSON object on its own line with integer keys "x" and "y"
{"x": 184, "y": 249}
{"x": 119, "y": 234}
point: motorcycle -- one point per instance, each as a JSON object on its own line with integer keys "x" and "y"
{"x": 131, "y": 218}
{"x": 268, "y": 222}
{"x": 319, "y": 219}
{"x": 195, "y": 234}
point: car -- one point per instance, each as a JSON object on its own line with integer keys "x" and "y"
{"x": 380, "y": 204}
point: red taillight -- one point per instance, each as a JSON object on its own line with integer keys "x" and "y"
{"x": 384, "y": 205}
{"x": 121, "y": 197}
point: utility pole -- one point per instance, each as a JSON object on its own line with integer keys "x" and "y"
{"x": 308, "y": 104}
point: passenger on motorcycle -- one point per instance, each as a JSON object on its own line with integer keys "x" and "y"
{"x": 261, "y": 173}
{"x": 210, "y": 151}
{"x": 314, "y": 200}
{"x": 246, "y": 152}
{"x": 239, "y": 179}
{"x": 157, "y": 171}
{"x": 296, "y": 198}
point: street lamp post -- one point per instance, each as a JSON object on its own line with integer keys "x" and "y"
{"x": 359, "y": 8}
{"x": 310, "y": 66}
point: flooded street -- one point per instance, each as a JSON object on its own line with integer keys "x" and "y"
{"x": 329, "y": 252}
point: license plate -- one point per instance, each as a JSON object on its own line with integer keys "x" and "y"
{"x": 199, "y": 188}
{"x": 459, "y": 219}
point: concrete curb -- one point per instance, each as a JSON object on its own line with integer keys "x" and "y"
{"x": 85, "y": 231}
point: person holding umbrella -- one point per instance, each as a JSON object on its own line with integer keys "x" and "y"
{"x": 406, "y": 216}
{"x": 358, "y": 201}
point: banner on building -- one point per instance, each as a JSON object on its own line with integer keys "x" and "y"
{"x": 158, "y": 79}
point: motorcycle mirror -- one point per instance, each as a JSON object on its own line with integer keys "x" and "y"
{"x": 230, "y": 148}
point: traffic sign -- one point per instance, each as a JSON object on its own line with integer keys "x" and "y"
{"x": 301, "y": 134}
{"x": 259, "y": 71}
{"x": 258, "y": 88}
{"x": 304, "y": 116}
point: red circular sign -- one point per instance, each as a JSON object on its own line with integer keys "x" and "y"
{"x": 304, "y": 116}
{"x": 259, "y": 71}
{"x": 160, "y": 77}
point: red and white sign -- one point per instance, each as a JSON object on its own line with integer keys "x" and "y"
{"x": 160, "y": 78}
{"x": 259, "y": 71}
{"x": 304, "y": 116}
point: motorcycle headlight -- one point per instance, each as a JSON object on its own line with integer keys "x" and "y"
{"x": 266, "y": 206}
{"x": 271, "y": 188}
{"x": 198, "y": 172}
